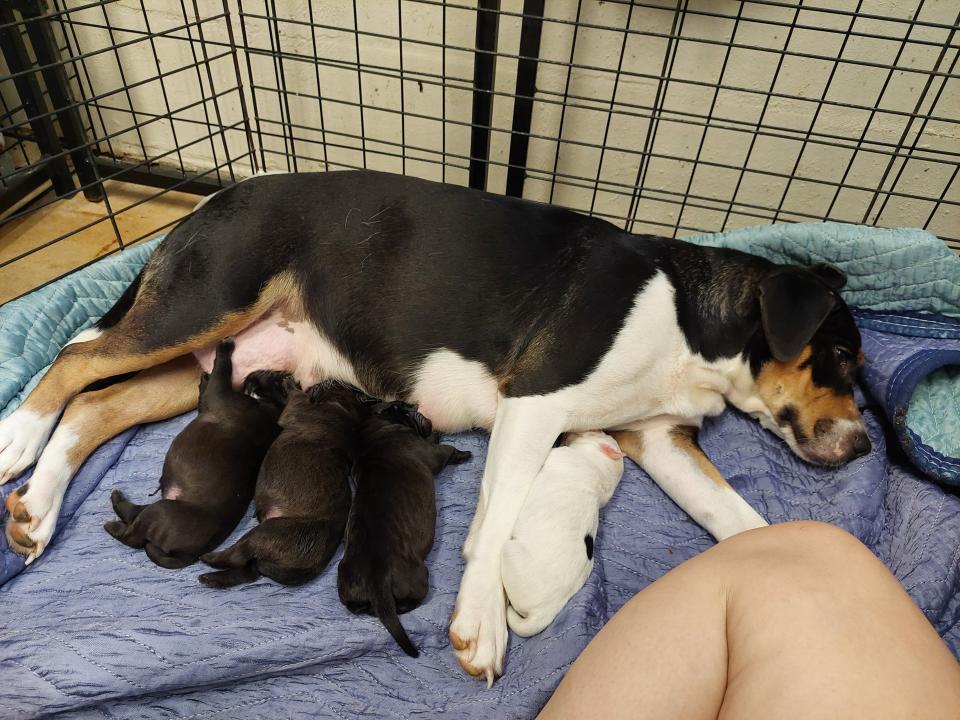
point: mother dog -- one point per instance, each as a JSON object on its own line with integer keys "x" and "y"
{"x": 484, "y": 311}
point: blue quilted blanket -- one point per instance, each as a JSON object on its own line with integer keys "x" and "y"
{"x": 93, "y": 629}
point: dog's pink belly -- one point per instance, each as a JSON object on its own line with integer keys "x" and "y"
{"x": 276, "y": 343}
{"x": 268, "y": 344}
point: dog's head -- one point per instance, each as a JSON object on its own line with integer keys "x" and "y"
{"x": 804, "y": 362}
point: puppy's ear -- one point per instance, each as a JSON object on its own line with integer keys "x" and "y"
{"x": 833, "y": 277}
{"x": 794, "y": 302}
{"x": 611, "y": 452}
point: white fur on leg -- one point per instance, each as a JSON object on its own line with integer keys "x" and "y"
{"x": 523, "y": 433}
{"x": 715, "y": 506}
{"x": 46, "y": 489}
{"x": 22, "y": 437}
{"x": 91, "y": 333}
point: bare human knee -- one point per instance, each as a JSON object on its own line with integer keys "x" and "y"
{"x": 818, "y": 627}
{"x": 794, "y": 546}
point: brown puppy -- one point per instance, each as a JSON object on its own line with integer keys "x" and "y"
{"x": 303, "y": 490}
{"x": 392, "y": 522}
{"x": 208, "y": 474}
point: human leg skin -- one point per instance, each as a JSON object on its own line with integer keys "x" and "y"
{"x": 797, "y": 620}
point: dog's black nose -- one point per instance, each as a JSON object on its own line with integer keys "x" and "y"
{"x": 861, "y": 445}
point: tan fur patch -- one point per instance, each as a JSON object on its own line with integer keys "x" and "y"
{"x": 115, "y": 351}
{"x": 457, "y": 642}
{"x": 154, "y": 394}
{"x": 780, "y": 384}
{"x": 19, "y": 540}
{"x": 13, "y": 499}
{"x": 684, "y": 438}
{"x": 631, "y": 443}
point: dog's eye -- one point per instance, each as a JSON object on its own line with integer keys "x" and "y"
{"x": 843, "y": 356}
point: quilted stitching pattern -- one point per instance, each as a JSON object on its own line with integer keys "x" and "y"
{"x": 100, "y": 630}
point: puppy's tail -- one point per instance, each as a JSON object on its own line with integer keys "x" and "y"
{"x": 385, "y": 607}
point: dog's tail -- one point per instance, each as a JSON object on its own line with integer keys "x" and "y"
{"x": 385, "y": 607}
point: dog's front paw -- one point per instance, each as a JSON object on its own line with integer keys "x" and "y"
{"x": 34, "y": 507}
{"x": 32, "y": 521}
{"x": 22, "y": 436}
{"x": 478, "y": 631}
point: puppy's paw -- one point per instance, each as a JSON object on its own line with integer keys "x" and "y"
{"x": 213, "y": 579}
{"x": 22, "y": 436}
{"x": 117, "y": 498}
{"x": 116, "y": 528}
{"x": 478, "y": 631}
{"x": 211, "y": 559}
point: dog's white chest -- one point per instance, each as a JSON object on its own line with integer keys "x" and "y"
{"x": 648, "y": 371}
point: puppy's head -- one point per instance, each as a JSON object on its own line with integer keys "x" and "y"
{"x": 270, "y": 386}
{"x": 605, "y": 457}
{"x": 804, "y": 363}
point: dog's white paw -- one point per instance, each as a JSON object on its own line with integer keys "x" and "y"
{"x": 34, "y": 507}
{"x": 32, "y": 521}
{"x": 22, "y": 436}
{"x": 478, "y": 631}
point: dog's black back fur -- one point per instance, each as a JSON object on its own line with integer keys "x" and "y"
{"x": 208, "y": 474}
{"x": 303, "y": 490}
{"x": 357, "y": 245}
{"x": 392, "y": 523}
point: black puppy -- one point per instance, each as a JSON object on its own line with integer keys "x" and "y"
{"x": 208, "y": 476}
{"x": 303, "y": 490}
{"x": 403, "y": 413}
{"x": 392, "y": 522}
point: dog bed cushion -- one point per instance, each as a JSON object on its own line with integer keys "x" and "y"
{"x": 93, "y": 629}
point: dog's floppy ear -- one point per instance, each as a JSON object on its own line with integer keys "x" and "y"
{"x": 832, "y": 276}
{"x": 794, "y": 302}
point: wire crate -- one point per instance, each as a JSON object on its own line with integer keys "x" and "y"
{"x": 671, "y": 117}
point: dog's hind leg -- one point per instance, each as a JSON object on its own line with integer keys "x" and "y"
{"x": 236, "y": 564}
{"x": 228, "y": 578}
{"x": 158, "y": 325}
{"x": 125, "y": 510}
{"x": 161, "y": 558}
{"x": 235, "y": 556}
{"x": 91, "y": 419}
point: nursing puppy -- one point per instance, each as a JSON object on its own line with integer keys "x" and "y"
{"x": 392, "y": 522}
{"x": 208, "y": 474}
{"x": 550, "y": 552}
{"x": 303, "y": 490}
{"x": 403, "y": 413}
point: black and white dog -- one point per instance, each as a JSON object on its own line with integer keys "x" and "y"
{"x": 484, "y": 311}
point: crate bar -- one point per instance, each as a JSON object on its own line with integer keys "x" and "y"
{"x": 158, "y": 177}
{"x": 666, "y": 72}
{"x": 526, "y": 88}
{"x": 566, "y": 93}
{"x": 13, "y": 192}
{"x": 45, "y": 49}
{"x": 24, "y": 77}
{"x": 484, "y": 67}
{"x": 909, "y": 125}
